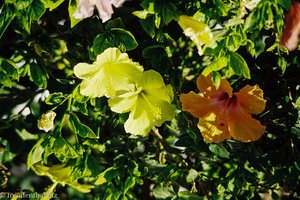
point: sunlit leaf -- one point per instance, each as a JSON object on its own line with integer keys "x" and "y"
{"x": 80, "y": 128}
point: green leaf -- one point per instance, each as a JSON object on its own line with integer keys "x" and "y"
{"x": 282, "y": 64}
{"x": 80, "y": 128}
{"x": 63, "y": 150}
{"x": 52, "y": 4}
{"x": 38, "y": 76}
{"x": 219, "y": 150}
{"x": 129, "y": 183}
{"x": 106, "y": 176}
{"x": 286, "y": 4}
{"x": 168, "y": 11}
{"x": 163, "y": 192}
{"x": 36, "y": 10}
{"x": 233, "y": 42}
{"x": 55, "y": 98}
{"x": 142, "y": 14}
{"x": 149, "y": 26}
{"x": 216, "y": 65}
{"x": 114, "y": 23}
{"x": 124, "y": 38}
{"x": 222, "y": 8}
{"x": 185, "y": 195}
{"x": 239, "y": 65}
{"x": 8, "y": 72}
{"x": 95, "y": 145}
{"x": 72, "y": 8}
{"x": 192, "y": 175}
{"x": 7, "y": 15}
{"x": 35, "y": 154}
{"x": 116, "y": 37}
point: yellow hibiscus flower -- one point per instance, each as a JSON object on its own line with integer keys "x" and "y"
{"x": 112, "y": 71}
{"x": 199, "y": 32}
{"x": 149, "y": 104}
{"x": 223, "y": 114}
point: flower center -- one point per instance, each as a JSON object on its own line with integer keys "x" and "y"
{"x": 232, "y": 101}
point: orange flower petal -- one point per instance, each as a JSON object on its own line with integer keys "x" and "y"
{"x": 242, "y": 126}
{"x": 212, "y": 130}
{"x": 206, "y": 86}
{"x": 197, "y": 105}
{"x": 251, "y": 99}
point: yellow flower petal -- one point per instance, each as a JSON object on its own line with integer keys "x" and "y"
{"x": 212, "y": 130}
{"x": 141, "y": 119}
{"x": 251, "y": 99}
{"x": 123, "y": 103}
{"x": 113, "y": 71}
{"x": 197, "y": 105}
{"x": 85, "y": 70}
{"x": 149, "y": 105}
{"x": 206, "y": 86}
{"x": 199, "y": 32}
{"x": 242, "y": 126}
{"x": 167, "y": 113}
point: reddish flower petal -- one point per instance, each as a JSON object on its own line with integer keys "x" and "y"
{"x": 290, "y": 34}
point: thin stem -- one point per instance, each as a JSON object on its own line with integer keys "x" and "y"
{"x": 160, "y": 139}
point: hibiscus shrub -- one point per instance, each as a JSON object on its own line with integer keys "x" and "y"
{"x": 149, "y": 99}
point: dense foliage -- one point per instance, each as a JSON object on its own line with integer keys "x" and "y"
{"x": 67, "y": 143}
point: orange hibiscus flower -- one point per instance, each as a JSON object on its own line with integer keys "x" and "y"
{"x": 223, "y": 114}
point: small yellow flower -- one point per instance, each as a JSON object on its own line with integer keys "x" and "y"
{"x": 223, "y": 114}
{"x": 46, "y": 122}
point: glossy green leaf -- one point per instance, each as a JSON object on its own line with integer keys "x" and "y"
{"x": 38, "y": 76}
{"x": 129, "y": 183}
{"x": 239, "y": 65}
{"x": 116, "y": 37}
{"x": 219, "y": 150}
{"x": 35, "y": 155}
{"x": 282, "y": 63}
{"x": 71, "y": 9}
{"x": 149, "y": 26}
{"x": 8, "y": 72}
{"x": 163, "y": 192}
{"x": 7, "y": 15}
{"x": 125, "y": 38}
{"x": 142, "y": 14}
{"x": 55, "y": 98}
{"x": 107, "y": 175}
{"x": 80, "y": 128}
{"x": 185, "y": 195}
{"x": 286, "y": 4}
{"x": 36, "y": 10}
{"x": 63, "y": 150}
{"x": 52, "y": 4}
{"x": 216, "y": 65}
